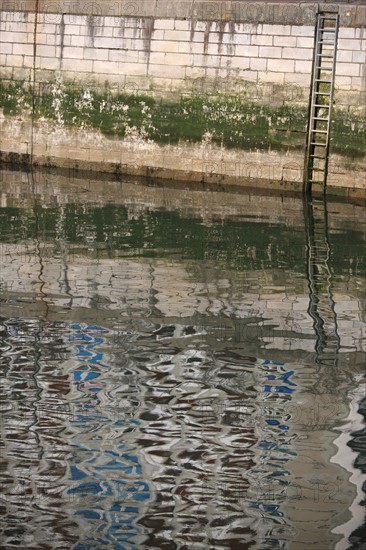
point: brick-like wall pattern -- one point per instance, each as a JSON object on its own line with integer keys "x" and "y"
{"x": 170, "y": 55}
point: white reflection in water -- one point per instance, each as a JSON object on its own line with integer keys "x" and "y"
{"x": 170, "y": 382}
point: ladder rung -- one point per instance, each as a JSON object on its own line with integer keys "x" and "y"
{"x": 327, "y": 42}
{"x": 320, "y": 118}
{"x": 328, "y": 29}
{"x": 320, "y": 131}
{"x": 322, "y": 106}
{"x": 317, "y": 157}
{"x": 324, "y": 81}
{"x": 324, "y": 68}
{"x": 322, "y": 93}
{"x": 323, "y": 55}
{"x": 318, "y": 144}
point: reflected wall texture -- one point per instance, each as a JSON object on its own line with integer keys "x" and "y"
{"x": 180, "y": 369}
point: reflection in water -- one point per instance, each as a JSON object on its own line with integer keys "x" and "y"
{"x": 321, "y": 304}
{"x": 322, "y": 311}
{"x": 34, "y": 449}
{"x": 352, "y": 436}
{"x": 107, "y": 486}
{"x": 167, "y": 379}
{"x": 327, "y": 347}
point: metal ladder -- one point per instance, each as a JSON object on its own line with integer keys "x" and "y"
{"x": 321, "y": 99}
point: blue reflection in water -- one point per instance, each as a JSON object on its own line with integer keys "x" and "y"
{"x": 107, "y": 484}
{"x": 275, "y": 444}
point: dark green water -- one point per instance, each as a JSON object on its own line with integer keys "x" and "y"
{"x": 180, "y": 369}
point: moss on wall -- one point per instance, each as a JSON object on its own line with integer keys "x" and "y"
{"x": 229, "y": 121}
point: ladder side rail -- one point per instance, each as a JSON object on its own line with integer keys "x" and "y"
{"x": 311, "y": 112}
{"x": 326, "y": 43}
{"x": 331, "y": 97}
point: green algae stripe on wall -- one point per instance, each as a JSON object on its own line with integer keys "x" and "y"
{"x": 229, "y": 121}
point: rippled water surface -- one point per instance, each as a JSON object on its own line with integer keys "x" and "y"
{"x": 181, "y": 369}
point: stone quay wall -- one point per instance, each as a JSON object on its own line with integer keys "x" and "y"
{"x": 258, "y": 49}
{"x": 255, "y": 52}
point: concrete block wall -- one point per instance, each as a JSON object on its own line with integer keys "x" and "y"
{"x": 268, "y": 61}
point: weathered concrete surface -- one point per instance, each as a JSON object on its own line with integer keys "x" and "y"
{"x": 74, "y": 148}
{"x": 164, "y": 49}
{"x": 352, "y": 14}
